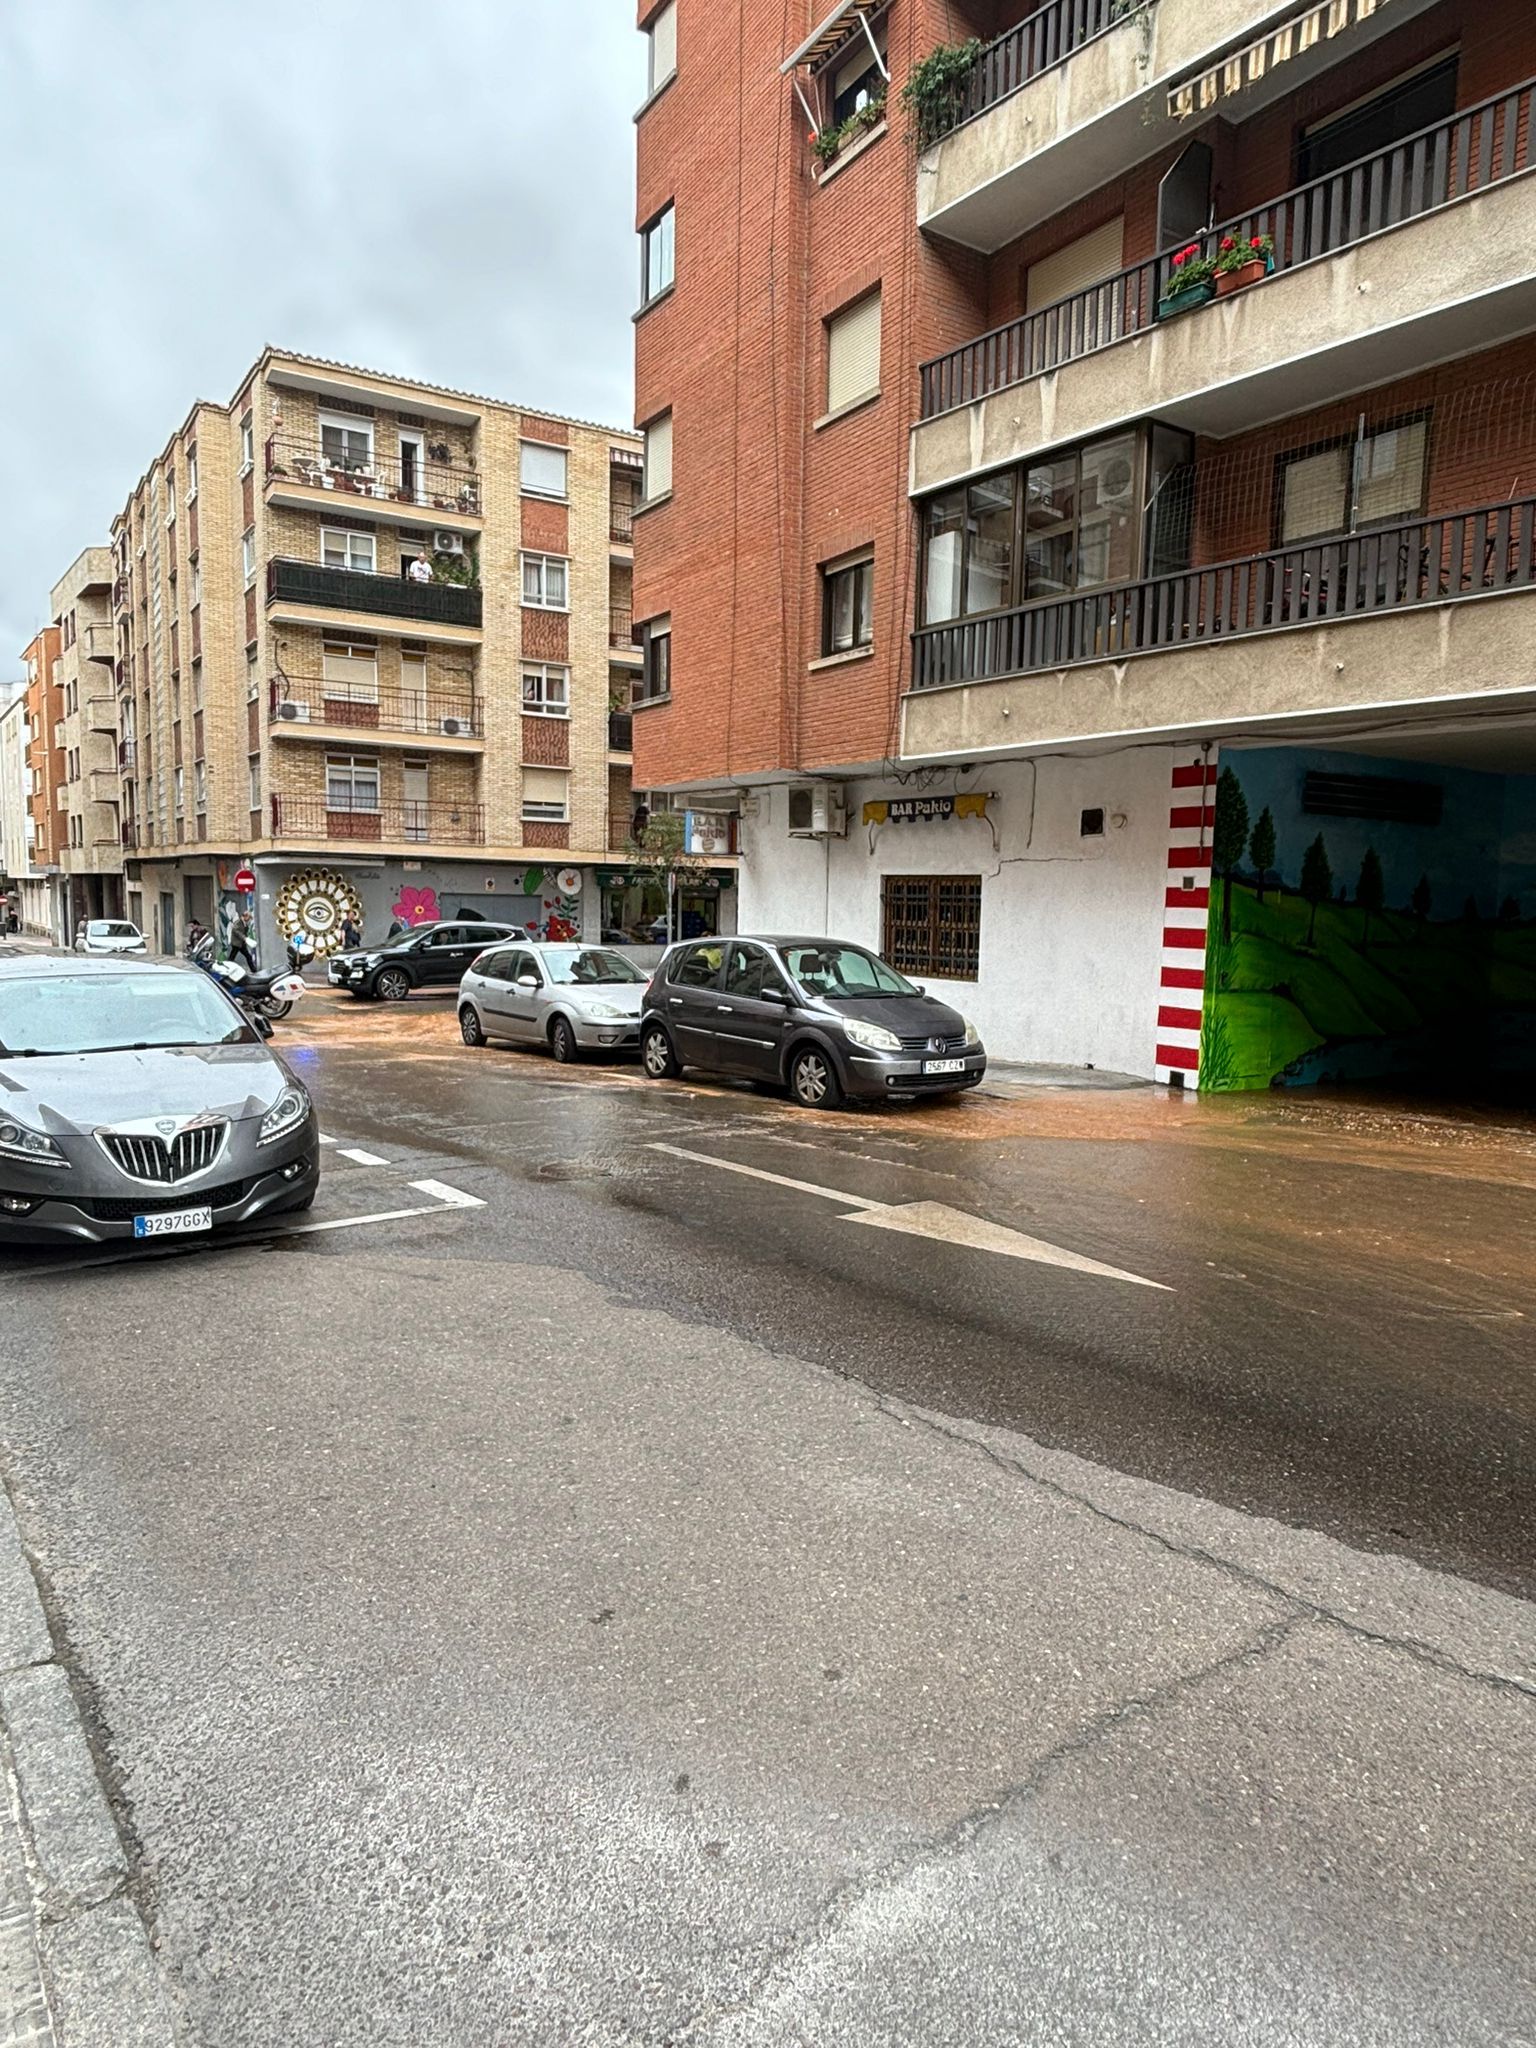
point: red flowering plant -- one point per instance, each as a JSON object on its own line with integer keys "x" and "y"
{"x": 1238, "y": 251}
{"x": 1189, "y": 268}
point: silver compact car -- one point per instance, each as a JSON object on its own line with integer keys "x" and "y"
{"x": 573, "y": 999}
{"x": 110, "y": 935}
{"x": 136, "y": 1100}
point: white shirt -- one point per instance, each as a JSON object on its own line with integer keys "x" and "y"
{"x": 420, "y": 572}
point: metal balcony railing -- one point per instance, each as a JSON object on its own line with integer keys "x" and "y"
{"x": 621, "y": 626}
{"x": 621, "y": 732}
{"x": 1047, "y": 38}
{"x": 439, "y": 710}
{"x": 392, "y": 820}
{"x": 621, "y": 519}
{"x": 127, "y": 754}
{"x": 439, "y": 486}
{"x": 1483, "y": 146}
{"x": 353, "y": 590}
{"x": 130, "y": 834}
{"x": 1421, "y": 562}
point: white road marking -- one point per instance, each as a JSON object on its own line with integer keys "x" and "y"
{"x": 930, "y": 1219}
{"x": 383, "y": 1216}
{"x": 325, "y": 1140}
{"x": 361, "y": 1158}
{"x": 451, "y": 1198}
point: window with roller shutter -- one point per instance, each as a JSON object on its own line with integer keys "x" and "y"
{"x": 658, "y": 457}
{"x": 546, "y": 794}
{"x": 661, "y": 38}
{"x": 1089, "y": 260}
{"x": 853, "y": 353}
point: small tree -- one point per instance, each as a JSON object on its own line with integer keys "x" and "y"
{"x": 1470, "y": 914}
{"x": 1261, "y": 847}
{"x": 1370, "y": 893}
{"x": 1420, "y": 900}
{"x": 1509, "y": 910}
{"x": 1316, "y": 881}
{"x": 1228, "y": 838}
{"x": 660, "y": 854}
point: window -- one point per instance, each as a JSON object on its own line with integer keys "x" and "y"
{"x": 545, "y": 582}
{"x": 1349, "y": 484}
{"x": 191, "y": 474}
{"x": 253, "y": 769}
{"x": 200, "y": 784}
{"x": 847, "y": 606}
{"x": 853, "y": 354}
{"x": 543, "y": 470}
{"x": 170, "y": 497}
{"x": 1087, "y": 261}
{"x": 661, "y": 48}
{"x": 749, "y": 973}
{"x": 248, "y": 555}
{"x": 546, "y": 689}
{"x": 658, "y": 255}
{"x": 859, "y": 79}
{"x": 247, "y": 445}
{"x": 340, "y": 549}
{"x": 655, "y": 660}
{"x": 349, "y": 669}
{"x": 1421, "y": 99}
{"x": 658, "y": 457}
{"x": 181, "y": 790}
{"x": 197, "y": 581}
{"x": 351, "y": 783}
{"x": 699, "y": 968}
{"x": 931, "y": 924}
{"x": 346, "y": 444}
{"x": 546, "y": 795}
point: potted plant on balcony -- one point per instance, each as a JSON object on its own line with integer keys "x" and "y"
{"x": 934, "y": 94}
{"x": 1243, "y": 261}
{"x": 830, "y": 142}
{"x": 1191, "y": 282}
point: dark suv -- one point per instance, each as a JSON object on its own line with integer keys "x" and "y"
{"x": 827, "y": 1020}
{"x": 429, "y": 956}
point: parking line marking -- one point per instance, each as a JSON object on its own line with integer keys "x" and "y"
{"x": 451, "y": 1198}
{"x": 779, "y": 1180}
{"x": 325, "y": 1140}
{"x": 383, "y": 1216}
{"x": 361, "y": 1158}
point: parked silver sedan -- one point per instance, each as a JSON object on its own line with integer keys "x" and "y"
{"x": 573, "y": 999}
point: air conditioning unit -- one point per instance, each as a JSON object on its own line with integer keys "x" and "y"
{"x": 454, "y": 728}
{"x": 293, "y": 714}
{"x": 448, "y": 543}
{"x": 1117, "y": 482}
{"x": 817, "y": 810}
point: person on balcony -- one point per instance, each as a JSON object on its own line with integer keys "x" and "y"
{"x": 420, "y": 570}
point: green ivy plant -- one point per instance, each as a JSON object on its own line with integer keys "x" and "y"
{"x": 461, "y": 569}
{"x": 932, "y": 93}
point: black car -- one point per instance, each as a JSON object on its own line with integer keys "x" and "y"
{"x": 428, "y": 956}
{"x": 826, "y": 1019}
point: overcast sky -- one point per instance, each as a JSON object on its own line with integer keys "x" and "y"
{"x": 441, "y": 191}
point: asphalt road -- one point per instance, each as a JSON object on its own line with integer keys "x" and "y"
{"x": 666, "y": 1603}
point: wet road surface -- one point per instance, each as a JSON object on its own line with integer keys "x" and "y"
{"x": 667, "y": 1603}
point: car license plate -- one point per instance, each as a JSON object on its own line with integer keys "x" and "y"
{"x": 172, "y": 1222}
{"x": 943, "y": 1066}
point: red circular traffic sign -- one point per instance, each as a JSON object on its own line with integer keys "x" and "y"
{"x": 245, "y": 881}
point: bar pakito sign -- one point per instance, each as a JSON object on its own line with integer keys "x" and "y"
{"x": 923, "y": 810}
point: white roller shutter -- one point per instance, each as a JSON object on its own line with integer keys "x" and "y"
{"x": 1088, "y": 260}
{"x": 658, "y": 457}
{"x": 663, "y": 35}
{"x": 853, "y": 353}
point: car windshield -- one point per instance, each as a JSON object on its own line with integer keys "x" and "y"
{"x": 70, "y": 1013}
{"x": 113, "y": 931}
{"x": 589, "y": 966}
{"x": 823, "y": 969}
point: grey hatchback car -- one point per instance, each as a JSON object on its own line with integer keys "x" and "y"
{"x": 137, "y": 1100}
{"x": 826, "y": 1019}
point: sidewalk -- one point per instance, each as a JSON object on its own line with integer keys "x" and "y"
{"x": 75, "y": 1963}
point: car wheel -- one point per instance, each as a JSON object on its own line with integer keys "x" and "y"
{"x": 813, "y": 1079}
{"x": 562, "y": 1042}
{"x": 393, "y": 985}
{"x": 471, "y": 1030}
{"x": 657, "y": 1057}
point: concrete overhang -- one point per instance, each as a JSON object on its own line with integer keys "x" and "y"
{"x": 374, "y": 625}
{"x": 1438, "y": 287}
{"x": 1105, "y": 107}
{"x": 366, "y": 390}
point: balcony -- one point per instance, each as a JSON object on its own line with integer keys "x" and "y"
{"x": 129, "y": 835}
{"x": 127, "y": 754}
{"x": 621, "y": 732}
{"x": 103, "y": 786}
{"x": 621, "y": 631}
{"x": 391, "y": 822}
{"x": 1409, "y": 257}
{"x": 621, "y": 521}
{"x": 1400, "y": 612}
{"x": 305, "y": 584}
{"x": 301, "y": 705}
{"x": 98, "y": 643}
{"x": 100, "y": 712}
{"x": 387, "y": 488}
{"x": 1083, "y": 88}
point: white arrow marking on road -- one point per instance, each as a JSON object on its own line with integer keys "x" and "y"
{"x": 452, "y": 1198}
{"x": 931, "y": 1219}
{"x": 359, "y": 1157}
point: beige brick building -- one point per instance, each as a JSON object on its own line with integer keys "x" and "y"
{"x": 369, "y": 634}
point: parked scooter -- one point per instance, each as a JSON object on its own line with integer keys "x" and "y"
{"x": 261, "y": 995}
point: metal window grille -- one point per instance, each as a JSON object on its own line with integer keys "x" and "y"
{"x": 931, "y": 924}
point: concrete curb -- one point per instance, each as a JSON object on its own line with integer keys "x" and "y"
{"x": 77, "y": 1962}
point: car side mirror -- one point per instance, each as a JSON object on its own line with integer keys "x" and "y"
{"x": 528, "y": 981}
{"x": 780, "y": 996}
{"x": 262, "y": 1026}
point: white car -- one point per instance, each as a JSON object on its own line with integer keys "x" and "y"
{"x": 110, "y": 935}
{"x": 572, "y": 999}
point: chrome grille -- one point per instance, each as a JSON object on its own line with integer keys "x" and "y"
{"x": 934, "y": 1047}
{"x": 165, "y": 1162}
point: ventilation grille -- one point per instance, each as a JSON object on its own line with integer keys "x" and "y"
{"x": 123, "y": 1208}
{"x": 1382, "y": 798}
{"x": 163, "y": 1164}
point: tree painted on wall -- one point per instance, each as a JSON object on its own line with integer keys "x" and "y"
{"x": 1509, "y": 910}
{"x": 1228, "y": 838}
{"x": 1420, "y": 900}
{"x": 1261, "y": 848}
{"x": 1370, "y": 893}
{"x": 1316, "y": 881}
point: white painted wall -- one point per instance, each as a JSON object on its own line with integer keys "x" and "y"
{"x": 1071, "y": 928}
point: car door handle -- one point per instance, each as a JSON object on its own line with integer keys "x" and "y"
{"x": 726, "y": 1009}
{"x": 674, "y": 1002}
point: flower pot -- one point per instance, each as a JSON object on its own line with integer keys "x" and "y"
{"x": 1185, "y": 301}
{"x": 1229, "y": 281}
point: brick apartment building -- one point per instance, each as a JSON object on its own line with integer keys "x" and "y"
{"x": 368, "y": 639}
{"x": 1153, "y": 673}
{"x": 43, "y": 781}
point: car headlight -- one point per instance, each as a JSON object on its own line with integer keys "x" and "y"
{"x": 285, "y": 1115}
{"x": 972, "y": 1035}
{"x": 875, "y": 1036}
{"x": 17, "y": 1142}
{"x": 604, "y": 1010}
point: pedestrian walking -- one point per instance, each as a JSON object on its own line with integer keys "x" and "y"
{"x": 80, "y": 936}
{"x": 242, "y": 942}
{"x": 351, "y": 936}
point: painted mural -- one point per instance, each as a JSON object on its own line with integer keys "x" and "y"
{"x": 1348, "y": 947}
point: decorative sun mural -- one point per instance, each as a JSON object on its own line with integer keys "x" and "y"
{"x": 318, "y": 902}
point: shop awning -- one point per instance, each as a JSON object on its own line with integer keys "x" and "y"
{"x": 1304, "y": 31}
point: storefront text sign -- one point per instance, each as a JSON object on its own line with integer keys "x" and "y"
{"x": 915, "y": 810}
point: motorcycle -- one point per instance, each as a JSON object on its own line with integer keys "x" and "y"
{"x": 261, "y": 995}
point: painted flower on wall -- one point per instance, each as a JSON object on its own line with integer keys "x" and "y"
{"x": 416, "y": 906}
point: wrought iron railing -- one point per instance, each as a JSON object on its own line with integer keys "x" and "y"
{"x": 354, "y": 590}
{"x": 1387, "y": 569}
{"x": 451, "y": 713}
{"x": 621, "y": 518}
{"x": 395, "y": 821}
{"x": 1047, "y": 38}
{"x": 407, "y": 480}
{"x": 621, "y": 732}
{"x": 1483, "y": 146}
{"x": 621, "y": 626}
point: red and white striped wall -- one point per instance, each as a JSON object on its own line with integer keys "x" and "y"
{"x": 1186, "y": 907}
